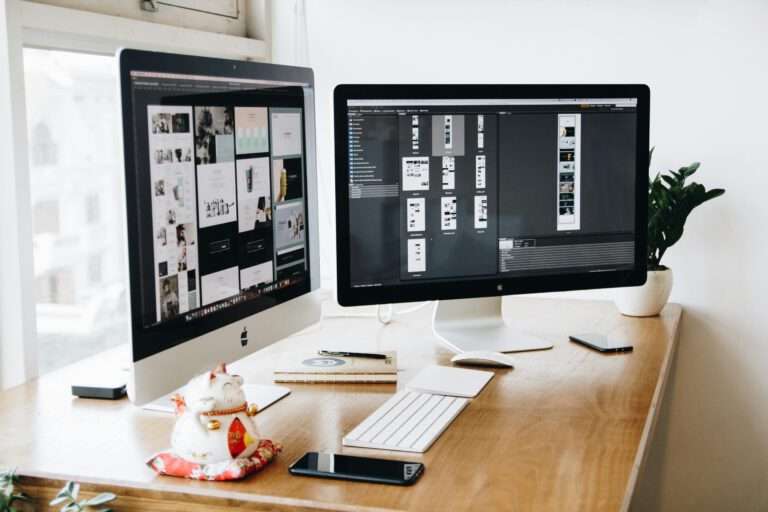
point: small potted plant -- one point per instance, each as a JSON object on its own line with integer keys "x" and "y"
{"x": 670, "y": 201}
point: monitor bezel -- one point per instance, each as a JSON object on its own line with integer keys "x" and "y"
{"x": 148, "y": 341}
{"x": 492, "y": 286}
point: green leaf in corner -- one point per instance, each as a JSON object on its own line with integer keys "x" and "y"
{"x": 669, "y": 181}
{"x": 713, "y": 193}
{"x": 100, "y": 499}
{"x": 59, "y": 499}
{"x": 691, "y": 168}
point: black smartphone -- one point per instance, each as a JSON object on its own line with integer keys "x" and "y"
{"x": 601, "y": 343}
{"x": 362, "y": 469}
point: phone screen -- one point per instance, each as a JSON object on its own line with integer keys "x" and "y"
{"x": 331, "y": 465}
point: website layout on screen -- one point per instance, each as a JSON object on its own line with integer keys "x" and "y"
{"x": 442, "y": 189}
{"x": 222, "y": 193}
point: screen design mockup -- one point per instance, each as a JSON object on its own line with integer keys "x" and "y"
{"x": 221, "y": 194}
{"x": 443, "y": 189}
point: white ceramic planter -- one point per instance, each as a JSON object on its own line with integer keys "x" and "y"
{"x": 646, "y": 300}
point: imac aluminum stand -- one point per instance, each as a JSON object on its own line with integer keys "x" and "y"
{"x": 476, "y": 324}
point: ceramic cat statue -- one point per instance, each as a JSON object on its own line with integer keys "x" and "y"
{"x": 214, "y": 421}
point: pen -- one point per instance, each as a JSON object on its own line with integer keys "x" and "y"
{"x": 351, "y": 354}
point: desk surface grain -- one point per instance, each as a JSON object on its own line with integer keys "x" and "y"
{"x": 567, "y": 429}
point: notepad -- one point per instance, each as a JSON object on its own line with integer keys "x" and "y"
{"x": 446, "y": 380}
{"x": 310, "y": 367}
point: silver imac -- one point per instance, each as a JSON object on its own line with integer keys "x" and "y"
{"x": 221, "y": 205}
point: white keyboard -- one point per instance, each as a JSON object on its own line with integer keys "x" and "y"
{"x": 409, "y": 421}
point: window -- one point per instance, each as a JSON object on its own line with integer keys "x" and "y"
{"x": 95, "y": 275}
{"x": 46, "y": 216}
{"x": 92, "y": 209}
{"x": 75, "y": 176}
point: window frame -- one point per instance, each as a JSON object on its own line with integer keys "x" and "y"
{"x": 25, "y": 24}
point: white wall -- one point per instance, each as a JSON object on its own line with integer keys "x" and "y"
{"x": 707, "y": 66}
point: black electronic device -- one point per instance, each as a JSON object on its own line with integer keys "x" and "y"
{"x": 363, "y": 469}
{"x": 477, "y": 191}
{"x": 469, "y": 191}
{"x": 601, "y": 343}
{"x": 104, "y": 392}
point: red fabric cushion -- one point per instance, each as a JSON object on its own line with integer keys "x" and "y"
{"x": 168, "y": 463}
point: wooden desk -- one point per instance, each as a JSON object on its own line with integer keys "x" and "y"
{"x": 567, "y": 429}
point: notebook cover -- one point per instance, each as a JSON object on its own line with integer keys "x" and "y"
{"x": 297, "y": 363}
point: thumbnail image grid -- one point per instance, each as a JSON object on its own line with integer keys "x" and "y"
{"x": 174, "y": 216}
{"x": 568, "y": 141}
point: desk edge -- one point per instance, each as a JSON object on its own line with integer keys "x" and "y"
{"x": 653, "y": 412}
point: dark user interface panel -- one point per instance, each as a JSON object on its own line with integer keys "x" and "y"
{"x": 444, "y": 189}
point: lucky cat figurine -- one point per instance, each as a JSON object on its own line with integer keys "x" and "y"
{"x": 214, "y": 419}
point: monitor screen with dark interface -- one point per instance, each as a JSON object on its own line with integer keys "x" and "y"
{"x": 454, "y": 190}
{"x": 219, "y": 196}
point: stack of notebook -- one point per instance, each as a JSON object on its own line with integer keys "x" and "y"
{"x": 310, "y": 367}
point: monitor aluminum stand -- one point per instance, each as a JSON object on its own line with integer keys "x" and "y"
{"x": 477, "y": 324}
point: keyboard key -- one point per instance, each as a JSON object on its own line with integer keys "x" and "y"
{"x": 376, "y": 416}
{"x": 397, "y": 423}
{"x": 434, "y": 431}
{"x": 390, "y": 416}
{"x": 408, "y": 421}
{"x": 445, "y": 402}
{"x": 414, "y": 421}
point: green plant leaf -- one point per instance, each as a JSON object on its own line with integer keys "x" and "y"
{"x": 691, "y": 169}
{"x": 713, "y": 193}
{"x": 18, "y": 497}
{"x": 100, "y": 499}
{"x": 59, "y": 499}
{"x": 669, "y": 181}
{"x": 670, "y": 202}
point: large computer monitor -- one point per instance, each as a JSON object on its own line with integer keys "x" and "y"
{"x": 476, "y": 191}
{"x": 221, "y": 199}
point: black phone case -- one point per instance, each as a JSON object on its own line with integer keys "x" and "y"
{"x": 357, "y": 478}
{"x": 602, "y": 350}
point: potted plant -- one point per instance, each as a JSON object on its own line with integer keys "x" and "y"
{"x": 670, "y": 201}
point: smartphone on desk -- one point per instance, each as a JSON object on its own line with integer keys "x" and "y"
{"x": 601, "y": 343}
{"x": 361, "y": 469}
